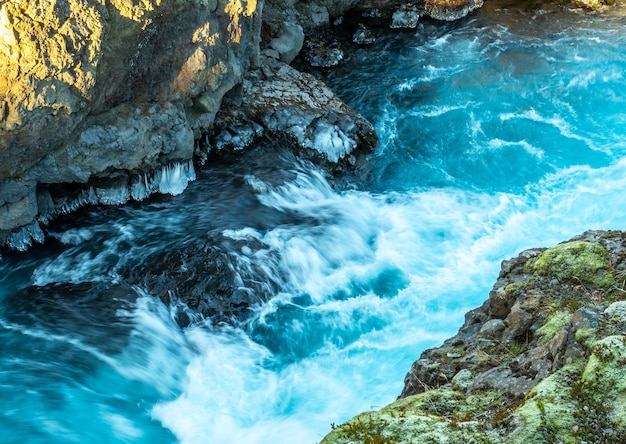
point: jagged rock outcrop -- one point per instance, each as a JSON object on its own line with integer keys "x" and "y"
{"x": 279, "y": 100}
{"x": 540, "y": 361}
{"x": 93, "y": 88}
{"x": 406, "y": 14}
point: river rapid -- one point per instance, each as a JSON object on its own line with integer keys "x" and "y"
{"x": 499, "y": 132}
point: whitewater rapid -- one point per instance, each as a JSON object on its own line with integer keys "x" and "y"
{"x": 496, "y": 136}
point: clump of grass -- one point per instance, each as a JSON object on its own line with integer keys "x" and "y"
{"x": 366, "y": 432}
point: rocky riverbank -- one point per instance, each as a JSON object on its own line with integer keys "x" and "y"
{"x": 106, "y": 101}
{"x": 102, "y": 102}
{"x": 542, "y": 360}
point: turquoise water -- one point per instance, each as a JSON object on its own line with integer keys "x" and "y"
{"x": 497, "y": 134}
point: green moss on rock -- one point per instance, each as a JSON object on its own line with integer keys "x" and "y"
{"x": 553, "y": 325}
{"x": 436, "y": 416}
{"x": 579, "y": 262}
{"x": 546, "y": 415}
{"x": 569, "y": 391}
{"x": 585, "y": 336}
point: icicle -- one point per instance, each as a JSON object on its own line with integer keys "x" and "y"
{"x": 113, "y": 196}
{"x": 142, "y": 188}
{"x": 23, "y": 238}
{"x": 173, "y": 179}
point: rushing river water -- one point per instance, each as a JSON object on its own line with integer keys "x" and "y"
{"x": 497, "y": 134}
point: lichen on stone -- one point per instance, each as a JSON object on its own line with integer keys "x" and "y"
{"x": 579, "y": 262}
{"x": 553, "y": 325}
{"x": 561, "y": 380}
{"x": 546, "y": 415}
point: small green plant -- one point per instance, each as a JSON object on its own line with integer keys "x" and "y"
{"x": 548, "y": 428}
{"x": 592, "y": 414}
{"x": 504, "y": 352}
{"x": 370, "y": 432}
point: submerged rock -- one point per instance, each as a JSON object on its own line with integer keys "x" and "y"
{"x": 201, "y": 279}
{"x": 80, "y": 311}
{"x": 540, "y": 361}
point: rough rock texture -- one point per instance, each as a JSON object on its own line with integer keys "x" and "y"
{"x": 280, "y": 100}
{"x": 110, "y": 90}
{"x": 542, "y": 360}
{"x": 406, "y": 14}
{"x": 202, "y": 280}
{"x": 90, "y": 87}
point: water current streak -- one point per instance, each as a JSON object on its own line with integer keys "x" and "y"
{"x": 498, "y": 133}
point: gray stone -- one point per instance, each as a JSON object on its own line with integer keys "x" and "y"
{"x": 492, "y": 329}
{"x": 363, "y": 35}
{"x": 18, "y": 214}
{"x": 298, "y": 106}
{"x": 289, "y": 41}
{"x": 616, "y": 312}
{"x": 462, "y": 380}
{"x": 138, "y": 83}
{"x": 518, "y": 323}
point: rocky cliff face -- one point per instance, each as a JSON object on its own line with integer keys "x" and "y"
{"x": 542, "y": 360}
{"x": 101, "y": 99}
{"x": 106, "y": 89}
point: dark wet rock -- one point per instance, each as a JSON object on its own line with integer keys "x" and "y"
{"x": 492, "y": 329}
{"x": 82, "y": 310}
{"x": 322, "y": 54}
{"x": 288, "y": 42}
{"x": 450, "y": 10}
{"x": 364, "y": 35}
{"x": 406, "y": 14}
{"x": 204, "y": 279}
{"x": 280, "y": 101}
{"x": 90, "y": 87}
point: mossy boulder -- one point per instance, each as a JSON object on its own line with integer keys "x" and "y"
{"x": 578, "y": 262}
{"x": 437, "y": 417}
{"x": 553, "y": 325}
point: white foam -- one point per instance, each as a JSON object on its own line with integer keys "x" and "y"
{"x": 437, "y": 111}
{"x": 555, "y": 120}
{"x": 497, "y": 144}
{"x": 447, "y": 242}
{"x": 73, "y": 236}
{"x": 585, "y": 79}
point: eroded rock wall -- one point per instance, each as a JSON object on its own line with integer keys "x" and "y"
{"x": 90, "y": 88}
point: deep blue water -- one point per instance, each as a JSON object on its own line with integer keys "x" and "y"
{"x": 497, "y": 134}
